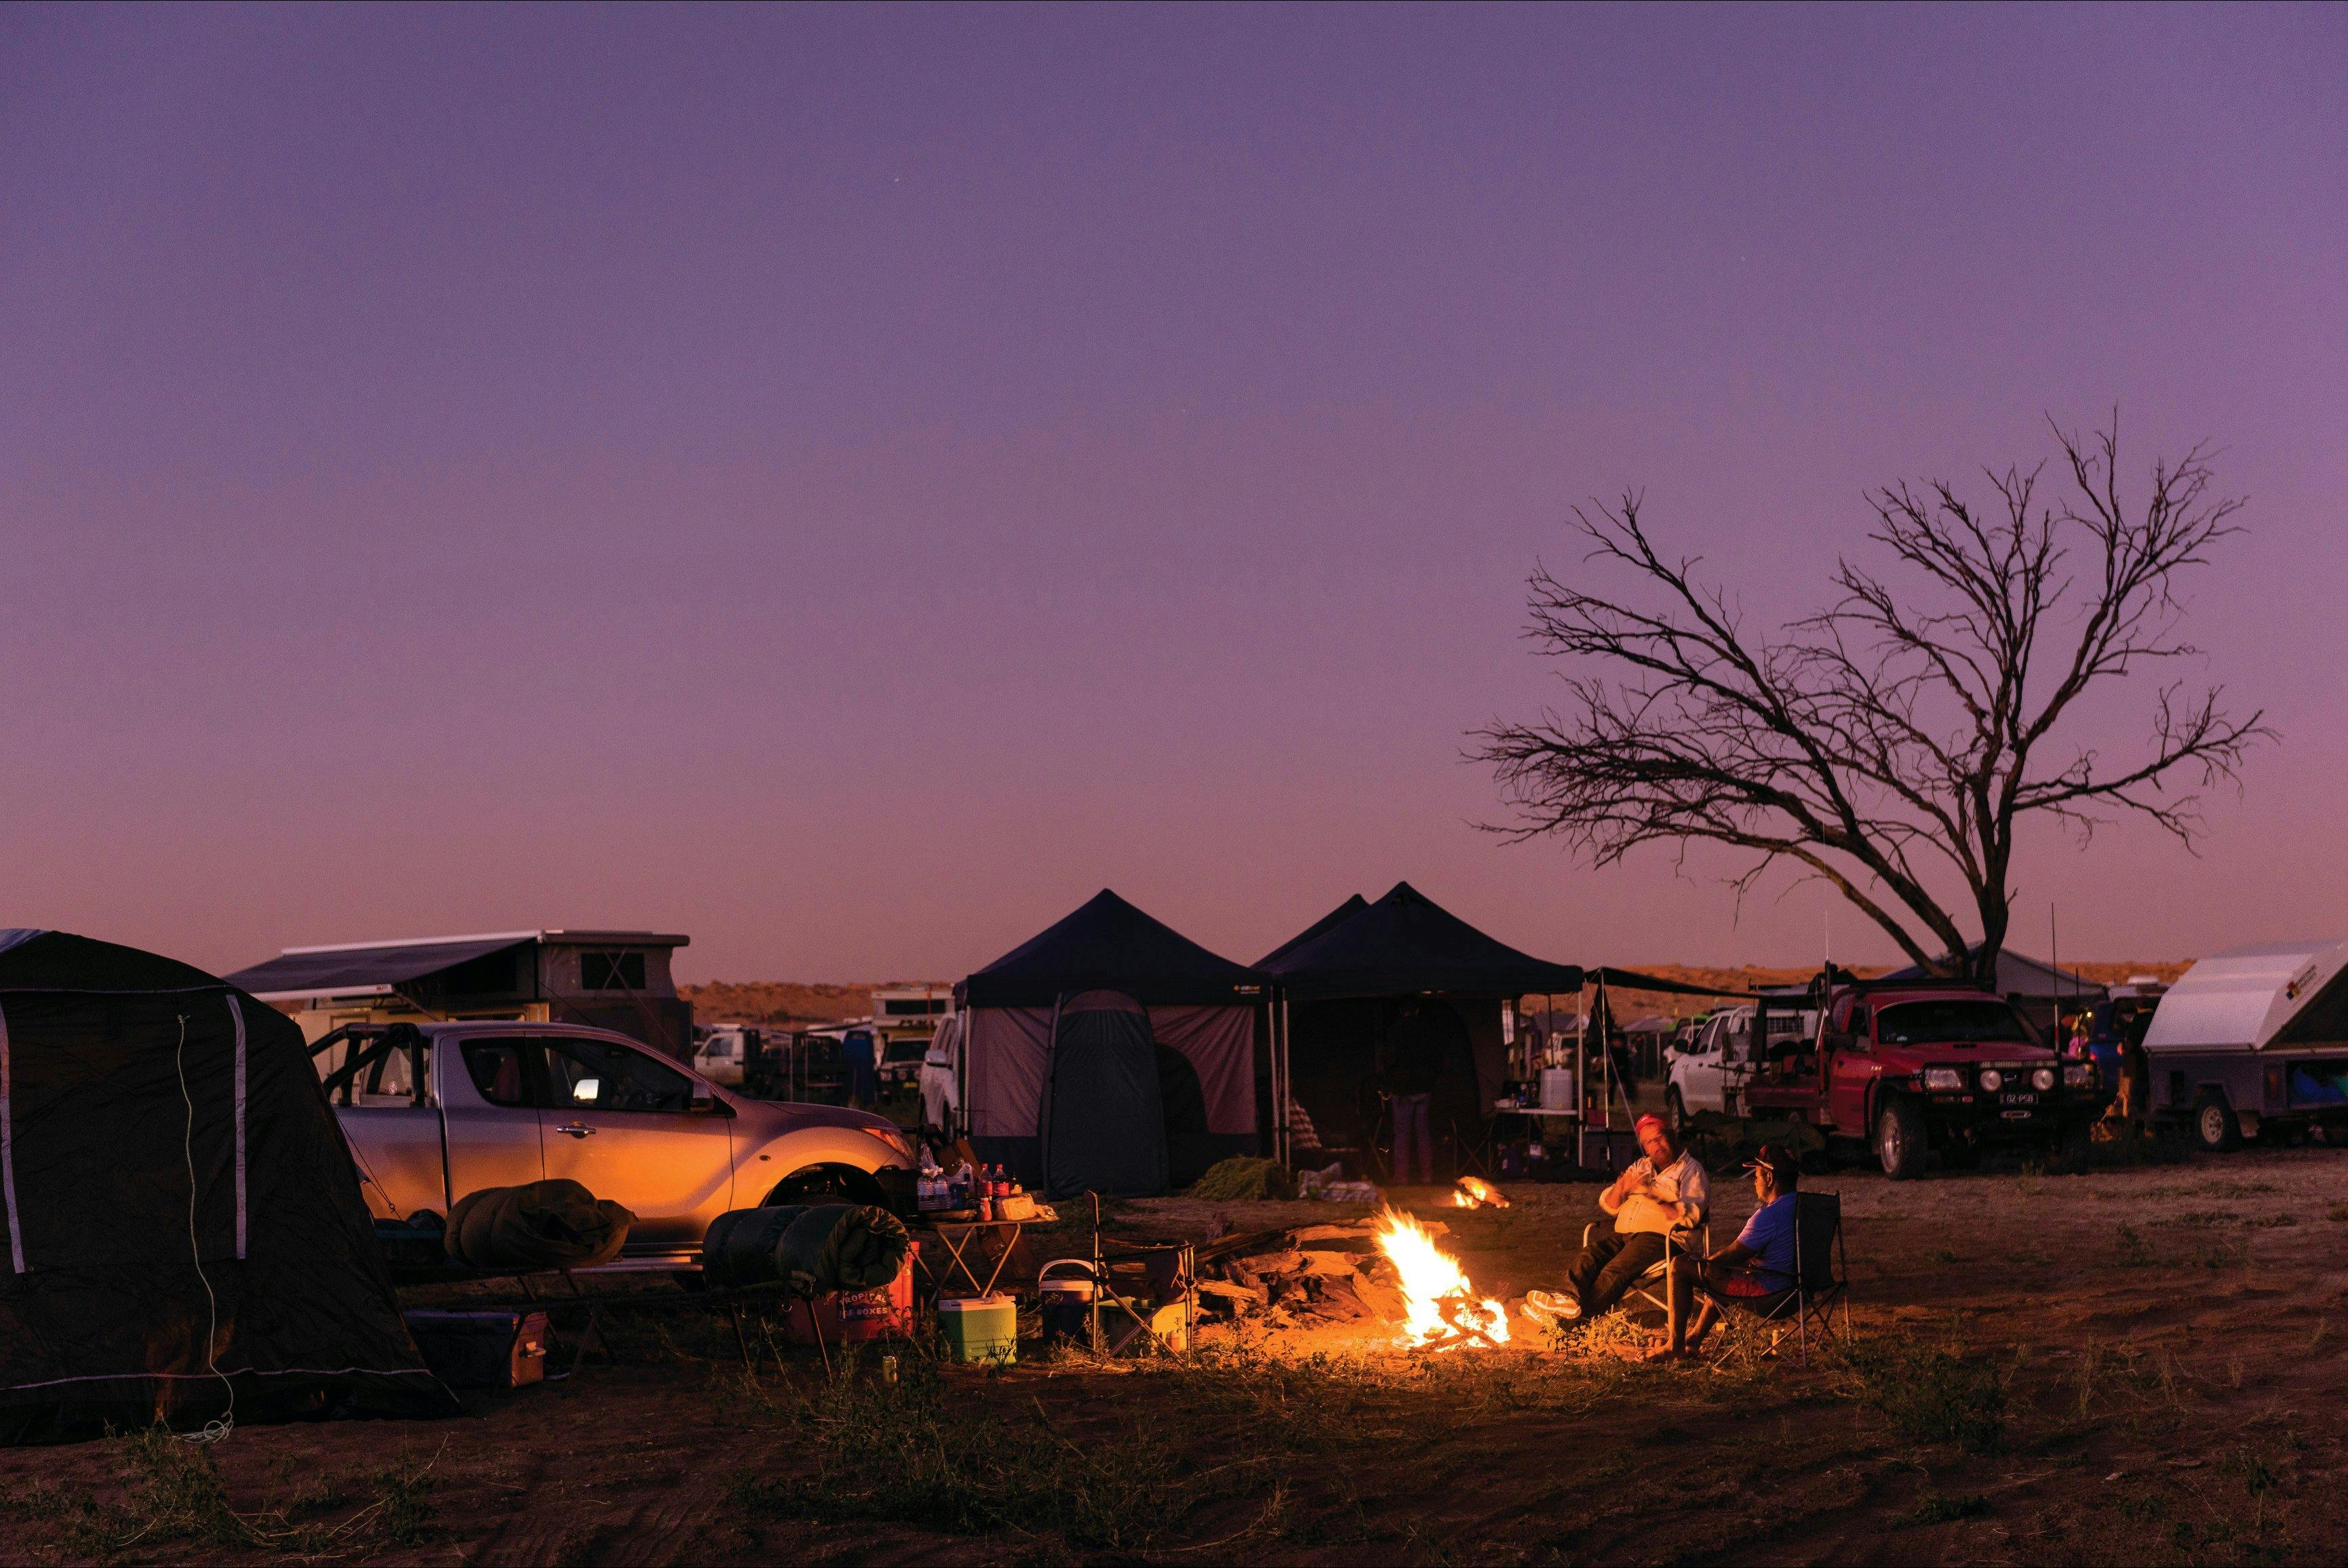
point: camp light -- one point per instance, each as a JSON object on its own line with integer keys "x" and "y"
{"x": 2042, "y": 1079}
{"x": 1947, "y": 1080}
{"x": 1992, "y": 1080}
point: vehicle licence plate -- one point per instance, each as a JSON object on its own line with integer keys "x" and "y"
{"x": 2023, "y": 1099}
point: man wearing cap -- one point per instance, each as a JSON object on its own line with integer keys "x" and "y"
{"x": 1663, "y": 1195}
{"x": 1755, "y": 1270}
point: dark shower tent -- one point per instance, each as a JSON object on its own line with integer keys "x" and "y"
{"x": 1342, "y": 981}
{"x": 1110, "y": 1053}
{"x": 184, "y": 1226}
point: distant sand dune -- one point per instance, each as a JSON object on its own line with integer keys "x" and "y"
{"x": 779, "y": 1002}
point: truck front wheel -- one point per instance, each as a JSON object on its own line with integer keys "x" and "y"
{"x": 2216, "y": 1127}
{"x": 1675, "y": 1114}
{"x": 1899, "y": 1140}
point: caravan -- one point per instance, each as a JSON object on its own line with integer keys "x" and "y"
{"x": 2254, "y": 1040}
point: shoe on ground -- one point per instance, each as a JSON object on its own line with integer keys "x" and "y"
{"x": 1552, "y": 1308}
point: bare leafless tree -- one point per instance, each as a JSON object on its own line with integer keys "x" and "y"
{"x": 1890, "y": 744}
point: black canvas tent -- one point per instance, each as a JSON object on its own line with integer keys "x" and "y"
{"x": 1341, "y": 981}
{"x": 184, "y": 1228}
{"x": 1344, "y": 912}
{"x": 1108, "y": 944}
{"x": 1109, "y": 981}
{"x": 1406, "y": 943}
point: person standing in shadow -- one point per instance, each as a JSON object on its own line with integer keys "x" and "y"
{"x": 1414, "y": 1060}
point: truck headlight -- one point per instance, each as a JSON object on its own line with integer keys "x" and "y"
{"x": 1947, "y": 1080}
{"x": 1992, "y": 1080}
{"x": 2079, "y": 1074}
{"x": 2042, "y": 1079}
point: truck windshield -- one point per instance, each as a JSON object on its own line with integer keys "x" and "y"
{"x": 1954, "y": 1021}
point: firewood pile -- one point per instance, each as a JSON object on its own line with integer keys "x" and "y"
{"x": 1311, "y": 1275}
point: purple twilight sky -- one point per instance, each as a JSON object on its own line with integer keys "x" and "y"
{"x": 847, "y": 484}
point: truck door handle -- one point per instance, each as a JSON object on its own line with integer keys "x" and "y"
{"x": 577, "y": 1130}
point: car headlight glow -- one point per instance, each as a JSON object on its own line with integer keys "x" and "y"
{"x": 1946, "y": 1079}
{"x": 2042, "y": 1079}
{"x": 1992, "y": 1080}
{"x": 2079, "y": 1074}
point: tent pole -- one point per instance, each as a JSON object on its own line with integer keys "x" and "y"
{"x": 1280, "y": 1076}
{"x": 1582, "y": 1085}
{"x": 1604, "y": 1012}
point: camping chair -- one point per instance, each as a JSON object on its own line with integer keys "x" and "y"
{"x": 1822, "y": 1271}
{"x": 1378, "y": 1155}
{"x": 1658, "y": 1276}
{"x": 1471, "y": 1152}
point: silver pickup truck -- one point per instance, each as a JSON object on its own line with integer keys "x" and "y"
{"x": 434, "y": 1111}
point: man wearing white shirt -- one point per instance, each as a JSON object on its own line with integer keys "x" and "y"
{"x": 1663, "y": 1196}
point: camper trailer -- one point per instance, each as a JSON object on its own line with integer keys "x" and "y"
{"x": 2254, "y": 1041}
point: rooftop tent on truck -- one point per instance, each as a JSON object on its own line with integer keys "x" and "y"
{"x": 185, "y": 1237}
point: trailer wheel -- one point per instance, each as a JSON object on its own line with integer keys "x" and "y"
{"x": 1900, "y": 1145}
{"x": 2216, "y": 1127}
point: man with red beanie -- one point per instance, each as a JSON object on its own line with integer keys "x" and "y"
{"x": 1664, "y": 1194}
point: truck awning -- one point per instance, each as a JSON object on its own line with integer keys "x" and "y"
{"x": 322, "y": 971}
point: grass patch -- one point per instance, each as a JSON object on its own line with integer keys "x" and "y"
{"x": 2251, "y": 1469}
{"x": 173, "y": 1496}
{"x": 910, "y": 1453}
{"x": 2216, "y": 1217}
{"x": 2135, "y": 1253}
{"x": 1241, "y": 1177}
{"x": 1122, "y": 1474}
{"x": 1933, "y": 1393}
{"x": 2225, "y": 1254}
{"x": 1934, "y": 1509}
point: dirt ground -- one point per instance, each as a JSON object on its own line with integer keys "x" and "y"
{"x": 2128, "y": 1366}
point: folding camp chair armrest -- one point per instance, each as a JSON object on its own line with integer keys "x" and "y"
{"x": 1675, "y": 1244}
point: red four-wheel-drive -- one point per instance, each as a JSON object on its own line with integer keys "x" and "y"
{"x": 1912, "y": 1065}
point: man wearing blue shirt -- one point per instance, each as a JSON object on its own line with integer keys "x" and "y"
{"x": 1755, "y": 1270}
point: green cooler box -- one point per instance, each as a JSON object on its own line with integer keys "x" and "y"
{"x": 980, "y": 1328}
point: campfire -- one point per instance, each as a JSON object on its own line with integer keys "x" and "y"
{"x": 1443, "y": 1312}
{"x": 1474, "y": 1192}
{"x": 1376, "y": 1272}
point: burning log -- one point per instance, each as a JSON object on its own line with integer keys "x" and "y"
{"x": 1330, "y": 1274}
{"x": 1443, "y": 1312}
{"x": 1474, "y": 1192}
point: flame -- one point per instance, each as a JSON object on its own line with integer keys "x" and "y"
{"x": 1441, "y": 1306}
{"x": 1474, "y": 1192}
